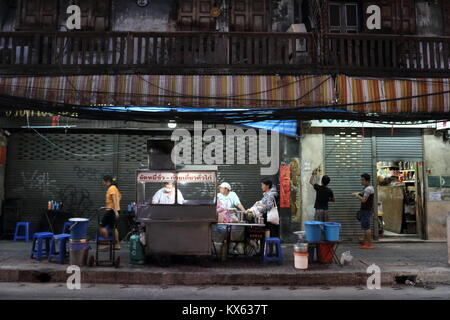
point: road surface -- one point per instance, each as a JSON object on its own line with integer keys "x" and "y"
{"x": 31, "y": 291}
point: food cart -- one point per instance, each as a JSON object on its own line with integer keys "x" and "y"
{"x": 184, "y": 226}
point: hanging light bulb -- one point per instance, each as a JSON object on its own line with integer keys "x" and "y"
{"x": 172, "y": 124}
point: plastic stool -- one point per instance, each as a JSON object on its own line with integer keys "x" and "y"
{"x": 62, "y": 242}
{"x": 66, "y": 227}
{"x": 27, "y": 231}
{"x": 279, "y": 257}
{"x": 39, "y": 252}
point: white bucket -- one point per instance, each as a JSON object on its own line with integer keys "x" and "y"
{"x": 301, "y": 260}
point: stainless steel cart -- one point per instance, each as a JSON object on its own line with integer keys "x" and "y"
{"x": 182, "y": 227}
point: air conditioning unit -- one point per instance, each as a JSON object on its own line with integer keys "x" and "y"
{"x": 299, "y": 54}
{"x": 300, "y": 43}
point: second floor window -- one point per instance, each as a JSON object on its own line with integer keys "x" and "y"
{"x": 95, "y": 15}
{"x": 37, "y": 15}
{"x": 195, "y": 15}
{"x": 343, "y": 17}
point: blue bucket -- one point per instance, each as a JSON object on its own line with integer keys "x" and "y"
{"x": 332, "y": 230}
{"x": 313, "y": 231}
{"x": 79, "y": 228}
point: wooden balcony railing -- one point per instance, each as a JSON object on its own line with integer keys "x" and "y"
{"x": 370, "y": 54}
{"x": 154, "y": 52}
{"x": 221, "y": 53}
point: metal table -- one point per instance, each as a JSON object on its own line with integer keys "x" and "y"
{"x": 238, "y": 224}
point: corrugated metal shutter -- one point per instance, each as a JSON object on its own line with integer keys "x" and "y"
{"x": 399, "y": 144}
{"x": 347, "y": 155}
{"x": 132, "y": 155}
{"x": 38, "y": 171}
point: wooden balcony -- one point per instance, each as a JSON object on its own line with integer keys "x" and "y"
{"x": 386, "y": 55}
{"x": 68, "y": 53}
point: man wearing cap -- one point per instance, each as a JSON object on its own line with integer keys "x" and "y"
{"x": 229, "y": 198}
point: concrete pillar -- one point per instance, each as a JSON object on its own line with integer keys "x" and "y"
{"x": 448, "y": 236}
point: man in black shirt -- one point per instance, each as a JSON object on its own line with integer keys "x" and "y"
{"x": 323, "y": 196}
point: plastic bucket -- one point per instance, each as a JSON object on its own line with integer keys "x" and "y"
{"x": 78, "y": 252}
{"x": 325, "y": 253}
{"x": 79, "y": 228}
{"x": 300, "y": 260}
{"x": 313, "y": 231}
{"x": 332, "y": 230}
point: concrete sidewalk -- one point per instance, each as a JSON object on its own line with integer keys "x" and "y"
{"x": 425, "y": 261}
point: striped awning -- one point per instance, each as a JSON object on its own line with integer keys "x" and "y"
{"x": 175, "y": 90}
{"x": 387, "y": 96}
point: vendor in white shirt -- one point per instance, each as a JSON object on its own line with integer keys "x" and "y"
{"x": 229, "y": 198}
{"x": 166, "y": 195}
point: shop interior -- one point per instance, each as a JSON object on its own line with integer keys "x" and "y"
{"x": 400, "y": 199}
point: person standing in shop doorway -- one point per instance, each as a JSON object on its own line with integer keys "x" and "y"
{"x": 323, "y": 196}
{"x": 365, "y": 214}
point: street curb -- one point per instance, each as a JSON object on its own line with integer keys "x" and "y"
{"x": 302, "y": 278}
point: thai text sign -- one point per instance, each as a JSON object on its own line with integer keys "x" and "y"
{"x": 191, "y": 177}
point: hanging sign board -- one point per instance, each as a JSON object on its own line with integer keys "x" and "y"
{"x": 180, "y": 177}
{"x": 285, "y": 186}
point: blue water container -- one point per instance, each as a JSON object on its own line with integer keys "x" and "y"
{"x": 313, "y": 231}
{"x": 79, "y": 228}
{"x": 332, "y": 231}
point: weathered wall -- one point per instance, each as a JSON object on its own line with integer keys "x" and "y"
{"x": 311, "y": 158}
{"x": 282, "y": 15}
{"x": 429, "y": 17}
{"x": 437, "y": 163}
{"x": 159, "y": 15}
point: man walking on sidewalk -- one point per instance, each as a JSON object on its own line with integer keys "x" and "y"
{"x": 366, "y": 197}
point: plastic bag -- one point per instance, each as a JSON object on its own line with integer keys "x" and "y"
{"x": 346, "y": 257}
{"x": 142, "y": 238}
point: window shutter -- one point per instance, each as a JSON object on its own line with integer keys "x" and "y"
{"x": 397, "y": 17}
{"x": 38, "y": 15}
{"x": 195, "y": 15}
{"x": 95, "y": 15}
{"x": 249, "y": 15}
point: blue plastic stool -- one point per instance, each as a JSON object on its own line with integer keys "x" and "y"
{"x": 39, "y": 252}
{"x": 66, "y": 228}
{"x": 26, "y": 231}
{"x": 62, "y": 250}
{"x": 279, "y": 257}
